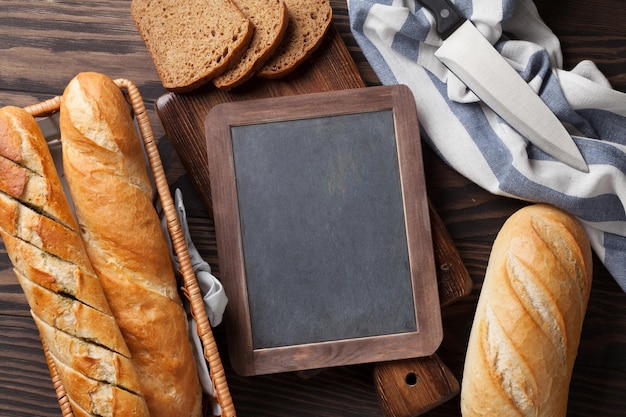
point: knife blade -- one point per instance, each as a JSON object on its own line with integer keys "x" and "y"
{"x": 472, "y": 58}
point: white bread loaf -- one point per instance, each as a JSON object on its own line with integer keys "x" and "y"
{"x": 107, "y": 177}
{"x": 51, "y": 264}
{"x": 71, "y": 316}
{"x": 528, "y": 322}
{"x": 56, "y": 274}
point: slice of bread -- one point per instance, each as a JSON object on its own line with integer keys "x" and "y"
{"x": 191, "y": 41}
{"x": 270, "y": 19}
{"x": 308, "y": 22}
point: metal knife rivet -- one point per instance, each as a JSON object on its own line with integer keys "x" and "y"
{"x": 444, "y": 13}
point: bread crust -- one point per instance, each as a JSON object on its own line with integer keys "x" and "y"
{"x": 91, "y": 360}
{"x": 528, "y": 322}
{"x": 98, "y": 398}
{"x": 21, "y": 221}
{"x": 55, "y": 274}
{"x": 25, "y": 160}
{"x": 108, "y": 180}
{"x": 51, "y": 264}
{"x": 73, "y": 317}
{"x": 194, "y": 41}
{"x": 270, "y": 20}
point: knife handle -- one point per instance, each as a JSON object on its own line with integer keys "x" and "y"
{"x": 447, "y": 16}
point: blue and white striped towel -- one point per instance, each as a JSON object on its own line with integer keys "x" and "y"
{"x": 398, "y": 39}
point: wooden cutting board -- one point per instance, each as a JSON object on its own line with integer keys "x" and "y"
{"x": 406, "y": 388}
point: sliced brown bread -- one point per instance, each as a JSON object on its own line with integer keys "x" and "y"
{"x": 308, "y": 22}
{"x": 191, "y": 41}
{"x": 270, "y": 20}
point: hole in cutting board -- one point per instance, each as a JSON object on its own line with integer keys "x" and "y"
{"x": 411, "y": 379}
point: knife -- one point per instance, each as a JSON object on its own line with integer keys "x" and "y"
{"x": 472, "y": 58}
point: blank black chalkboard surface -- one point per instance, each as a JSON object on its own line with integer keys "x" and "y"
{"x": 322, "y": 229}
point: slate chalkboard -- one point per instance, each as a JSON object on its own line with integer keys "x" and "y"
{"x": 323, "y": 231}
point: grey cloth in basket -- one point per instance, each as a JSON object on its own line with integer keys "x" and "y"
{"x": 213, "y": 295}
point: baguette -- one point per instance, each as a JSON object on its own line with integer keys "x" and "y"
{"x": 52, "y": 267}
{"x": 528, "y": 322}
{"x": 108, "y": 181}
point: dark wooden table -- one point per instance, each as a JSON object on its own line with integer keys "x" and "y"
{"x": 43, "y": 44}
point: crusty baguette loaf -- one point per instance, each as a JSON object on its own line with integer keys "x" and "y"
{"x": 98, "y": 398}
{"x": 94, "y": 361}
{"x": 105, "y": 169}
{"x": 191, "y": 41}
{"x": 51, "y": 264}
{"x": 528, "y": 322}
{"x": 309, "y": 21}
{"x": 270, "y": 19}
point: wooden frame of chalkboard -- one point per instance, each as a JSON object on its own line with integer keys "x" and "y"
{"x": 323, "y": 232}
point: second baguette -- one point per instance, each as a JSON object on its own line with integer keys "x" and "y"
{"x": 107, "y": 177}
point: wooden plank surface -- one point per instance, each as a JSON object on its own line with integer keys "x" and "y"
{"x": 45, "y": 43}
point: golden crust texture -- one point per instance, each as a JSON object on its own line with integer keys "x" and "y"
{"x": 193, "y": 41}
{"x": 528, "y": 321}
{"x": 28, "y": 169}
{"x": 49, "y": 259}
{"x": 108, "y": 180}
{"x": 309, "y": 21}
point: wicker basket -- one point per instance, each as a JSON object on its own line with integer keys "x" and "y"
{"x": 191, "y": 288}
